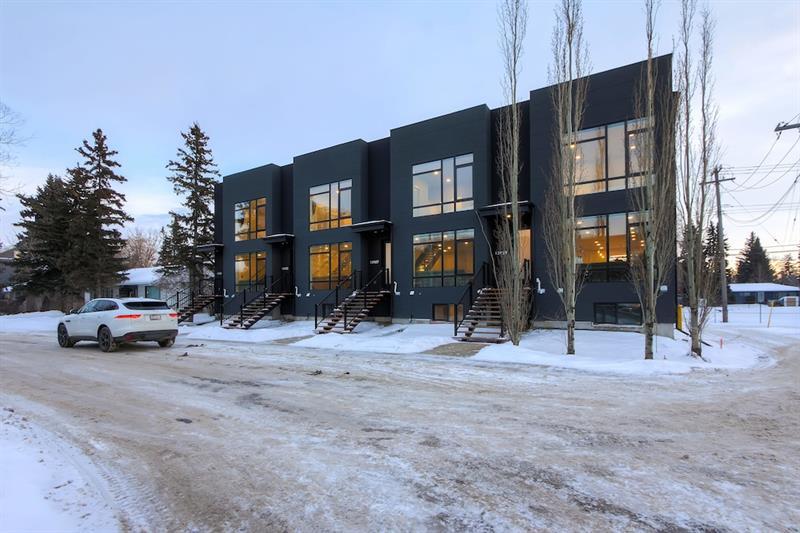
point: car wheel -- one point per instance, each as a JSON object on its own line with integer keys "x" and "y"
{"x": 63, "y": 337}
{"x": 106, "y": 340}
{"x": 166, "y": 343}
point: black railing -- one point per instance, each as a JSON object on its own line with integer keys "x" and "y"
{"x": 250, "y": 292}
{"x": 379, "y": 282}
{"x": 187, "y": 296}
{"x": 333, "y": 297}
{"x": 483, "y": 278}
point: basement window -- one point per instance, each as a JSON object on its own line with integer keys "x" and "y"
{"x": 446, "y": 312}
{"x": 624, "y": 314}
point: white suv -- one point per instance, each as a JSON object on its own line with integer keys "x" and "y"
{"x": 112, "y": 321}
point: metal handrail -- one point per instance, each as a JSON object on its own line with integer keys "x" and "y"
{"x": 318, "y": 307}
{"x": 382, "y": 273}
{"x": 479, "y": 281}
{"x": 252, "y": 287}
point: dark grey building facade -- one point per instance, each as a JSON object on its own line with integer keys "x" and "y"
{"x": 416, "y": 208}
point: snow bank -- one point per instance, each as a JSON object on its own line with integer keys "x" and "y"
{"x": 46, "y": 485}
{"x": 394, "y": 338}
{"x": 263, "y": 331}
{"x": 620, "y": 353}
{"x": 45, "y": 321}
{"x": 369, "y": 337}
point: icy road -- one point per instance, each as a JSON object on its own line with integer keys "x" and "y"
{"x": 269, "y": 437}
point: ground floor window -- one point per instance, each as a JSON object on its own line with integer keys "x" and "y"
{"x": 444, "y": 258}
{"x": 605, "y": 244}
{"x": 330, "y": 264}
{"x": 626, "y": 314}
{"x": 446, "y": 312}
{"x": 251, "y": 269}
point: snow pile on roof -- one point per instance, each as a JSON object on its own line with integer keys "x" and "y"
{"x": 141, "y": 276}
{"x": 30, "y": 322}
{"x": 762, "y": 287}
{"x": 47, "y": 485}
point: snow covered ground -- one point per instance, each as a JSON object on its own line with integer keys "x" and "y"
{"x": 731, "y": 346}
{"x": 46, "y": 484}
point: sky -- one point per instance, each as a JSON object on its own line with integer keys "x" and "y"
{"x": 271, "y": 80}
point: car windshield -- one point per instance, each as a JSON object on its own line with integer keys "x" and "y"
{"x": 141, "y": 306}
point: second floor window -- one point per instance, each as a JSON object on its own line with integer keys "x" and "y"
{"x": 330, "y": 205}
{"x": 605, "y": 244}
{"x": 612, "y": 157}
{"x": 442, "y": 186}
{"x": 250, "y": 219}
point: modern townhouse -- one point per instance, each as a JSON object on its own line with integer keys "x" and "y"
{"x": 400, "y": 228}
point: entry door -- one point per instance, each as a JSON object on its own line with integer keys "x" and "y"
{"x": 387, "y": 258}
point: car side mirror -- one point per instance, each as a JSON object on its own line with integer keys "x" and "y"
{"x": 72, "y": 311}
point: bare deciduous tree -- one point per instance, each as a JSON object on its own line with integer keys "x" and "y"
{"x": 510, "y": 271}
{"x": 10, "y": 123}
{"x": 568, "y": 76}
{"x": 141, "y": 248}
{"x": 697, "y": 156}
{"x": 653, "y": 235}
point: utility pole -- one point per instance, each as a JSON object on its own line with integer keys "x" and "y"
{"x": 783, "y": 126}
{"x": 723, "y": 278}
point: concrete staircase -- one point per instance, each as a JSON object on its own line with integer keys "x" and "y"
{"x": 351, "y": 311}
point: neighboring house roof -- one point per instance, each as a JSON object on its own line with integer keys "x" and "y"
{"x": 762, "y": 287}
{"x": 141, "y": 276}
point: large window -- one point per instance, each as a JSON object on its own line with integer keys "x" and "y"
{"x": 251, "y": 269}
{"x": 612, "y": 157}
{"x": 444, "y": 258}
{"x": 250, "y": 219}
{"x": 330, "y": 264}
{"x": 626, "y": 314}
{"x": 442, "y": 186}
{"x": 605, "y": 244}
{"x": 330, "y": 205}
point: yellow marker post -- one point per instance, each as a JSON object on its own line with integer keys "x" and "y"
{"x": 679, "y": 318}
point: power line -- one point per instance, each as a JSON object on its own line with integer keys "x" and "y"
{"x": 742, "y": 187}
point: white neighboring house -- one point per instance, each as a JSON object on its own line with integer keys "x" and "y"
{"x": 140, "y": 283}
{"x": 762, "y": 293}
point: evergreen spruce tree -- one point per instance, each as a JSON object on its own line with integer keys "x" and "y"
{"x": 711, "y": 262}
{"x": 193, "y": 179}
{"x": 173, "y": 254}
{"x": 43, "y": 240}
{"x": 94, "y": 261}
{"x": 789, "y": 274}
{"x": 753, "y": 265}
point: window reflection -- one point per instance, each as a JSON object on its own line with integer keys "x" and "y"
{"x": 330, "y": 205}
{"x": 250, "y": 219}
